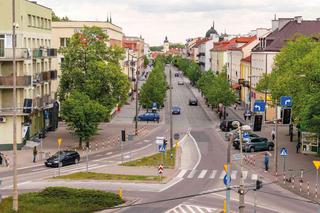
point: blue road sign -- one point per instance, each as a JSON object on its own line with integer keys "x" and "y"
{"x": 286, "y": 101}
{"x": 226, "y": 180}
{"x": 154, "y": 105}
{"x": 245, "y": 135}
{"x": 283, "y": 152}
{"x": 259, "y": 106}
{"x": 162, "y": 148}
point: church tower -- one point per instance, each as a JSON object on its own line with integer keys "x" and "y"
{"x": 166, "y": 45}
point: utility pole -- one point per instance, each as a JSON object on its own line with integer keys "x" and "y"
{"x": 241, "y": 187}
{"x": 275, "y": 139}
{"x": 170, "y": 104}
{"x": 136, "y": 83}
{"x": 15, "y": 189}
{"x": 228, "y": 173}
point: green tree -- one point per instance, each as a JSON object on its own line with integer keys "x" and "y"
{"x": 82, "y": 115}
{"x": 57, "y": 18}
{"x": 93, "y": 68}
{"x": 145, "y": 61}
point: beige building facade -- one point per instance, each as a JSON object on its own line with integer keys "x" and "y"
{"x": 36, "y": 74}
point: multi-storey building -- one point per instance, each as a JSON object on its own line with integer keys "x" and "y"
{"x": 36, "y": 75}
{"x": 263, "y": 54}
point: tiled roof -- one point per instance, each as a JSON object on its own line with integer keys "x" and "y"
{"x": 231, "y": 44}
{"x": 277, "y": 39}
{"x": 201, "y": 41}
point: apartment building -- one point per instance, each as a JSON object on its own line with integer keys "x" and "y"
{"x": 36, "y": 106}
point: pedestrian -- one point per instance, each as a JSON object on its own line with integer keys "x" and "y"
{"x": 220, "y": 115}
{"x": 235, "y": 106}
{"x": 6, "y": 160}
{"x": 298, "y": 146}
{"x": 266, "y": 162}
{"x": 35, "y": 152}
{"x": 273, "y": 134}
{"x": 1, "y": 158}
{"x": 245, "y": 116}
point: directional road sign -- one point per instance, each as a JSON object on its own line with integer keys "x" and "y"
{"x": 226, "y": 180}
{"x": 259, "y": 106}
{"x": 286, "y": 101}
{"x": 283, "y": 152}
{"x": 162, "y": 148}
{"x": 245, "y": 135}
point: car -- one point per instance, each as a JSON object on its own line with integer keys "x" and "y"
{"x": 149, "y": 116}
{"x": 257, "y": 144}
{"x": 193, "y": 102}
{"x": 176, "y": 74}
{"x": 236, "y": 140}
{"x": 63, "y": 158}
{"x": 180, "y": 83}
{"x": 176, "y": 110}
{"x": 226, "y": 125}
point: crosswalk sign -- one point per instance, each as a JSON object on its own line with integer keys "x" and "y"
{"x": 283, "y": 152}
{"x": 162, "y": 148}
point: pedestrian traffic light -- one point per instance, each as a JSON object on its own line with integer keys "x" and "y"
{"x": 258, "y": 184}
{"x": 286, "y": 116}
{"x": 257, "y": 122}
{"x": 165, "y": 142}
{"x": 123, "y": 135}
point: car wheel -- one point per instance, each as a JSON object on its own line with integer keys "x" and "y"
{"x": 252, "y": 149}
{"x": 76, "y": 161}
{"x": 270, "y": 148}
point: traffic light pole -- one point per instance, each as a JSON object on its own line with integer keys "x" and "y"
{"x": 137, "y": 96}
{"x": 241, "y": 187}
{"x": 228, "y": 174}
{"x": 170, "y": 104}
{"x": 275, "y": 139}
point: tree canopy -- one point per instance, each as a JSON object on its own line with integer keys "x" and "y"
{"x": 296, "y": 73}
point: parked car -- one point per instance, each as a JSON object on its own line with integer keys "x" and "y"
{"x": 236, "y": 140}
{"x": 193, "y": 102}
{"x": 176, "y": 110}
{"x": 149, "y": 116}
{"x": 226, "y": 125}
{"x": 176, "y": 74}
{"x": 257, "y": 144}
{"x": 66, "y": 158}
{"x": 180, "y": 83}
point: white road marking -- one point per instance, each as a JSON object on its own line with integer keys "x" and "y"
{"x": 234, "y": 174}
{"x": 40, "y": 169}
{"x": 223, "y": 173}
{"x": 192, "y": 173}
{"x": 190, "y": 208}
{"x": 198, "y": 150}
{"x": 202, "y": 174}
{"x": 109, "y": 153}
{"x": 182, "y": 173}
{"x": 254, "y": 177}
{"x": 213, "y": 174}
{"x": 244, "y": 174}
{"x": 27, "y": 167}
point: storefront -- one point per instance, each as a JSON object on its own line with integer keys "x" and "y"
{"x": 310, "y": 143}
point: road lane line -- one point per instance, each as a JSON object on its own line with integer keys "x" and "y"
{"x": 190, "y": 208}
{"x": 198, "y": 150}
{"x": 213, "y": 174}
{"x": 223, "y": 173}
{"x": 40, "y": 169}
{"x": 202, "y": 174}
{"x": 192, "y": 173}
{"x": 244, "y": 174}
{"x": 254, "y": 177}
{"x": 182, "y": 173}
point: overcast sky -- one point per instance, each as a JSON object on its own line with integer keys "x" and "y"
{"x": 181, "y": 19}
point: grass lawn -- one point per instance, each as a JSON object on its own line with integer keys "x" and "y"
{"x": 154, "y": 160}
{"x": 62, "y": 200}
{"x": 103, "y": 176}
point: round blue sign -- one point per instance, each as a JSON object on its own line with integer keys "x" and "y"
{"x": 226, "y": 180}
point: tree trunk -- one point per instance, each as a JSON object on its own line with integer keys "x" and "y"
{"x": 80, "y": 142}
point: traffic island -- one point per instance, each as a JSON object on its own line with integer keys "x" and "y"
{"x": 63, "y": 200}
{"x": 107, "y": 177}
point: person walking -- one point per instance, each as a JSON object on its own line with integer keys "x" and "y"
{"x": 298, "y": 146}
{"x": 273, "y": 134}
{"x": 1, "y": 158}
{"x": 266, "y": 162}
{"x": 35, "y": 152}
{"x": 6, "y": 160}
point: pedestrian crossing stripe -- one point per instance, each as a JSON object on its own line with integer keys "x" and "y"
{"x": 211, "y": 174}
{"x": 186, "y": 208}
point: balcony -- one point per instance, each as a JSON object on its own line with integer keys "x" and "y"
{"x": 37, "y": 78}
{"x": 52, "y": 52}
{"x": 46, "y": 76}
{"x": 39, "y": 53}
{"x": 53, "y": 74}
{"x": 7, "y": 54}
{"x": 21, "y": 82}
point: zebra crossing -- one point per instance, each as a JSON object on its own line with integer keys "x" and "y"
{"x": 213, "y": 174}
{"x": 184, "y": 208}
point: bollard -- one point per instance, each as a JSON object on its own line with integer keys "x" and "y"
{"x": 120, "y": 193}
{"x": 284, "y": 177}
{"x": 96, "y": 146}
{"x": 308, "y": 188}
{"x": 316, "y": 191}
{"x": 300, "y": 186}
{"x": 292, "y": 181}
{"x": 103, "y": 145}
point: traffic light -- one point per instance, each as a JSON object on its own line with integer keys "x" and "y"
{"x": 165, "y": 142}
{"x": 258, "y": 184}
{"x": 123, "y": 135}
{"x": 257, "y": 122}
{"x": 286, "y": 116}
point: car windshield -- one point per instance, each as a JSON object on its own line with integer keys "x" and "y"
{"x": 62, "y": 153}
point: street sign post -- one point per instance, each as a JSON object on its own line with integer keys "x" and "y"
{"x": 226, "y": 180}
{"x": 316, "y": 163}
{"x": 286, "y": 101}
{"x": 259, "y": 106}
{"x": 284, "y": 154}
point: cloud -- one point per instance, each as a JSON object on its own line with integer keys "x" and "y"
{"x": 181, "y": 19}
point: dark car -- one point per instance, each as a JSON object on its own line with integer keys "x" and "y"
{"x": 149, "y": 116}
{"x": 193, "y": 102}
{"x": 257, "y": 144}
{"x": 226, "y": 126}
{"x": 176, "y": 74}
{"x": 65, "y": 158}
{"x": 176, "y": 110}
{"x": 236, "y": 140}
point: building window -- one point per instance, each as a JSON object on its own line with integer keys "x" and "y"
{"x": 29, "y": 20}
{"x": 64, "y": 42}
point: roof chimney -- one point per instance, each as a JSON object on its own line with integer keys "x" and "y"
{"x": 298, "y": 19}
